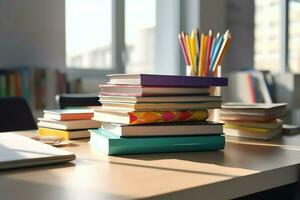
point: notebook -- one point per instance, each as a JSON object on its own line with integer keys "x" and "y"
{"x": 19, "y": 151}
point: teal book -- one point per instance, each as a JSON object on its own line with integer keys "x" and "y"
{"x": 111, "y": 144}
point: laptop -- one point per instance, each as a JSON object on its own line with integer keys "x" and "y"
{"x": 19, "y": 151}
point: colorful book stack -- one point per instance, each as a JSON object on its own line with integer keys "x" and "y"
{"x": 255, "y": 121}
{"x": 67, "y": 124}
{"x": 146, "y": 113}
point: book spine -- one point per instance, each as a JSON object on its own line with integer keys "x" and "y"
{"x": 166, "y": 116}
{"x": 164, "y": 145}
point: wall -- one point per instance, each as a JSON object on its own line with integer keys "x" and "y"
{"x": 32, "y": 33}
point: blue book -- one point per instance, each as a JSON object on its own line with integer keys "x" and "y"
{"x": 111, "y": 144}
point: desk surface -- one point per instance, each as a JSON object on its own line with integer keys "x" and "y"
{"x": 244, "y": 167}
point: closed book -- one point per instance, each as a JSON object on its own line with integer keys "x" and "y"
{"x": 69, "y": 114}
{"x": 261, "y": 109}
{"x": 164, "y": 129}
{"x": 68, "y": 125}
{"x": 137, "y": 90}
{"x": 159, "y": 99}
{"x": 166, "y": 80}
{"x": 161, "y": 106}
{"x": 136, "y": 117}
{"x": 111, "y": 144}
{"x": 251, "y": 133}
{"x": 275, "y": 124}
{"x": 248, "y": 118}
{"x": 67, "y": 135}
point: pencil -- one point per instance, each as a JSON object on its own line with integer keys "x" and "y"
{"x": 202, "y": 54}
{"x": 207, "y": 60}
{"x": 182, "y": 45}
{"x": 216, "y": 51}
{"x": 189, "y": 50}
{"x": 225, "y": 45}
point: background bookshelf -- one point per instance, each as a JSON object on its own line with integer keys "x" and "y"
{"x": 38, "y": 85}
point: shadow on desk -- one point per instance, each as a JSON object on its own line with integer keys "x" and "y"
{"x": 37, "y": 168}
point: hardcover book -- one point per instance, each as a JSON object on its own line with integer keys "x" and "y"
{"x": 69, "y": 114}
{"x": 111, "y": 144}
{"x": 160, "y": 106}
{"x": 136, "y": 117}
{"x": 137, "y": 90}
{"x": 164, "y": 129}
{"x": 166, "y": 80}
{"x": 67, "y": 135}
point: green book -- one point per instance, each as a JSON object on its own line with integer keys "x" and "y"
{"x": 111, "y": 144}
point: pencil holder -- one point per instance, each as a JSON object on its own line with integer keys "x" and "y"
{"x": 214, "y": 114}
{"x": 188, "y": 70}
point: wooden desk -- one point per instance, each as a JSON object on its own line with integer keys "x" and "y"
{"x": 244, "y": 167}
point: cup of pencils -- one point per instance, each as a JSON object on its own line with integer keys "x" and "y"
{"x": 203, "y": 54}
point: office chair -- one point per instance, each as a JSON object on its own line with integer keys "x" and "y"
{"x": 76, "y": 100}
{"x": 15, "y": 115}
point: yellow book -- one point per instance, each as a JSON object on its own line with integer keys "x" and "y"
{"x": 67, "y": 135}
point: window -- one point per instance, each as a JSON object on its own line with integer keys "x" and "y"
{"x": 140, "y": 35}
{"x": 90, "y": 38}
{"x": 88, "y": 34}
{"x": 277, "y": 35}
{"x": 294, "y": 36}
{"x": 267, "y": 35}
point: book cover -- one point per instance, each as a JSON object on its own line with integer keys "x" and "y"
{"x": 69, "y": 124}
{"x": 69, "y": 114}
{"x": 161, "y": 106}
{"x": 164, "y": 129}
{"x": 66, "y": 135}
{"x": 166, "y": 80}
{"x": 159, "y": 99}
{"x": 111, "y": 144}
{"x": 136, "y": 117}
{"x": 138, "y": 90}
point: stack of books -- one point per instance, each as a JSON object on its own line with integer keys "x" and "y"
{"x": 255, "y": 121}
{"x": 157, "y": 113}
{"x": 67, "y": 124}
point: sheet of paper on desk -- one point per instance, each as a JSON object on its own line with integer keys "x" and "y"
{"x": 19, "y": 151}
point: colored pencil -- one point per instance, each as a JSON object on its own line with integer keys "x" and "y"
{"x": 207, "y": 60}
{"x": 226, "y": 42}
{"x": 183, "y": 49}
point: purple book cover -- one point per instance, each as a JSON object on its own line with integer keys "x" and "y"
{"x": 189, "y": 81}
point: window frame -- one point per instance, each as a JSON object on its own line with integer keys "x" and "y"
{"x": 117, "y": 47}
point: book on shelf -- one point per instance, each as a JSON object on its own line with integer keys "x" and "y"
{"x": 166, "y": 80}
{"x": 68, "y": 125}
{"x": 160, "y": 106}
{"x": 164, "y": 129}
{"x": 69, "y": 114}
{"x": 159, "y": 99}
{"x": 136, "y": 117}
{"x": 36, "y": 84}
{"x": 66, "y": 135}
{"x": 252, "y": 133}
{"x": 138, "y": 90}
{"x": 111, "y": 144}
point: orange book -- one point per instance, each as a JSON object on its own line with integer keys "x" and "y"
{"x": 69, "y": 114}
